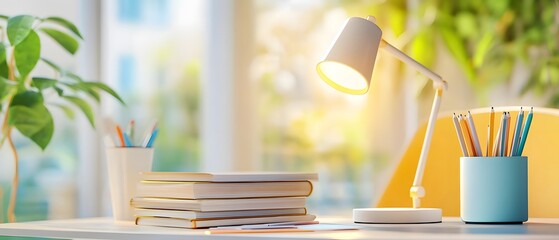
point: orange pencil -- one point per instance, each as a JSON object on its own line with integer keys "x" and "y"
{"x": 120, "y": 136}
{"x": 491, "y": 131}
{"x": 487, "y": 151}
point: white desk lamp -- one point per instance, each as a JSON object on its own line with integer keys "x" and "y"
{"x": 348, "y": 67}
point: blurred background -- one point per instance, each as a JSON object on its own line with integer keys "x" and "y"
{"x": 234, "y": 88}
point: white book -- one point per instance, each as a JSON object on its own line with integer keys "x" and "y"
{"x": 202, "y": 223}
{"x": 143, "y": 212}
{"x": 212, "y": 205}
{"x": 228, "y": 177}
{"x": 207, "y": 190}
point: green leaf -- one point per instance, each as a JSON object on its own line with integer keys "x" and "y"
{"x": 2, "y": 52}
{"x": 94, "y": 94}
{"x": 64, "y": 73}
{"x": 66, "y": 41}
{"x": 65, "y": 23}
{"x": 80, "y": 86}
{"x": 397, "y": 20}
{"x": 4, "y": 17}
{"x": 27, "y": 54}
{"x": 84, "y": 106}
{"x": 421, "y": 48}
{"x": 3, "y": 62}
{"x": 483, "y": 48}
{"x": 28, "y": 99}
{"x": 107, "y": 89}
{"x": 43, "y": 83}
{"x": 28, "y": 120}
{"x": 60, "y": 91}
{"x": 73, "y": 76}
{"x": 67, "y": 110}
{"x": 52, "y": 64}
{"x": 42, "y": 137}
{"x": 497, "y": 7}
{"x": 19, "y": 27}
{"x": 458, "y": 48}
{"x": 33, "y": 122}
{"x": 466, "y": 24}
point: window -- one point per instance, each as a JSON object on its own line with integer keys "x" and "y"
{"x": 153, "y": 58}
{"x": 305, "y": 125}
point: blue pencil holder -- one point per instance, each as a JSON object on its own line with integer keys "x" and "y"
{"x": 494, "y": 189}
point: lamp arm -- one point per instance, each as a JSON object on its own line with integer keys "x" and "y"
{"x": 438, "y": 82}
{"x": 417, "y": 191}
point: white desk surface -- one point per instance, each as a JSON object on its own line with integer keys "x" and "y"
{"x": 450, "y": 228}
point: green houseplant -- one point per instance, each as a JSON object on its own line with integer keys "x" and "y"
{"x": 25, "y": 99}
{"x": 487, "y": 39}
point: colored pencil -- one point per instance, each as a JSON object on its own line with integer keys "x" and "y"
{"x": 152, "y": 138}
{"x": 127, "y": 140}
{"x": 467, "y": 138}
{"x": 491, "y": 132}
{"x": 504, "y": 140}
{"x": 516, "y": 135}
{"x": 473, "y": 134}
{"x": 460, "y": 136}
{"x": 148, "y": 133}
{"x": 131, "y": 130}
{"x": 503, "y": 137}
{"x": 120, "y": 136}
{"x": 525, "y": 132}
{"x": 507, "y": 135}
{"x": 496, "y": 146}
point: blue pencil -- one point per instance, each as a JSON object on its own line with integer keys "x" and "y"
{"x": 152, "y": 138}
{"x": 127, "y": 140}
{"x": 517, "y": 130}
{"x": 525, "y": 132}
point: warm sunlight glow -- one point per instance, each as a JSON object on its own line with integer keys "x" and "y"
{"x": 342, "y": 77}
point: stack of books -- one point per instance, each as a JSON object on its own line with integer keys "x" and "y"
{"x": 198, "y": 200}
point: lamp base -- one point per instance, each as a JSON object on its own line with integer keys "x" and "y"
{"x": 397, "y": 215}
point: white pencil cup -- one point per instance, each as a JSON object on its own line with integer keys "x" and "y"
{"x": 124, "y": 165}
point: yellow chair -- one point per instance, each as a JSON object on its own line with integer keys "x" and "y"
{"x": 442, "y": 171}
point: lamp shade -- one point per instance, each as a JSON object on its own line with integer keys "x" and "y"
{"x": 348, "y": 66}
